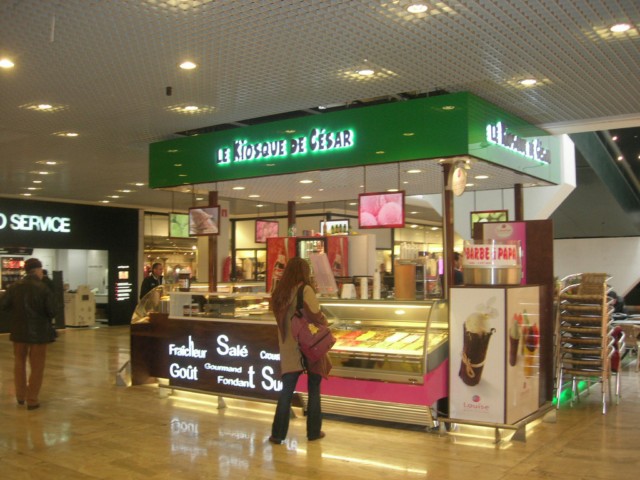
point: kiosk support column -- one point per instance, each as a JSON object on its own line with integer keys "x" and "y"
{"x": 447, "y": 228}
{"x": 519, "y": 202}
{"x": 291, "y": 215}
{"x": 213, "y": 249}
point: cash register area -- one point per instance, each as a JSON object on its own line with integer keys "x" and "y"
{"x": 90, "y": 425}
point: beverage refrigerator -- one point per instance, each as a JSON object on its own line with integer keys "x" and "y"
{"x": 281, "y": 249}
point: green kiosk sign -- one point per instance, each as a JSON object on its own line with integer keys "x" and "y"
{"x": 439, "y": 127}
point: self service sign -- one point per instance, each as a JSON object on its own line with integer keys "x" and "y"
{"x": 231, "y": 359}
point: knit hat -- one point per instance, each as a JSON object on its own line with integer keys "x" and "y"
{"x": 32, "y": 264}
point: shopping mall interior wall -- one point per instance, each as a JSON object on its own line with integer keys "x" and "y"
{"x": 619, "y": 257}
{"x": 78, "y": 267}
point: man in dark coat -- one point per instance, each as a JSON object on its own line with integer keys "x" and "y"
{"x": 152, "y": 280}
{"x": 31, "y": 305}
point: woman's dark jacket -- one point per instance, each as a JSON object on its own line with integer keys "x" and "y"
{"x": 31, "y": 307}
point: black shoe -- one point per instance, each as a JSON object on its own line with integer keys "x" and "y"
{"x": 33, "y": 407}
{"x": 273, "y": 439}
{"x": 20, "y": 402}
{"x": 322, "y": 435}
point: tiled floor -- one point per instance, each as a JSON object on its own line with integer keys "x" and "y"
{"x": 88, "y": 427}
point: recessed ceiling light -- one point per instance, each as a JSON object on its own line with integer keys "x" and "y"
{"x": 528, "y": 82}
{"x": 408, "y": 134}
{"x": 353, "y": 203}
{"x": 191, "y": 108}
{"x": 188, "y": 65}
{"x": 413, "y": 213}
{"x": 254, "y": 196}
{"x": 620, "y": 27}
{"x": 289, "y": 131}
{"x": 125, "y": 191}
{"x": 481, "y": 177}
{"x": 259, "y": 205}
{"x": 306, "y": 197}
{"x": 306, "y": 181}
{"x": 33, "y": 188}
{"x": 614, "y": 138}
{"x": 380, "y": 152}
{"x": 199, "y": 199}
{"x": 37, "y": 181}
{"x": 435, "y": 228}
{"x": 114, "y": 196}
{"x": 392, "y": 189}
{"x": 44, "y": 106}
{"x": 104, "y": 201}
{"x": 620, "y": 158}
{"x": 365, "y": 72}
{"x": 414, "y": 170}
{"x": 449, "y": 107}
{"x": 417, "y": 8}
{"x": 238, "y": 188}
{"x": 43, "y": 172}
{"x": 139, "y": 184}
{"x": 26, "y": 194}
{"x": 470, "y": 185}
{"x": 177, "y": 164}
{"x": 6, "y": 63}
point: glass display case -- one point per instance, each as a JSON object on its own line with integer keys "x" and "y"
{"x": 390, "y": 341}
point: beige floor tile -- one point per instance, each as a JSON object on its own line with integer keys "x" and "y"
{"x": 90, "y": 428}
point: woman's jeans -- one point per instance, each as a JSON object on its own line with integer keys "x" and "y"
{"x": 280, "y": 425}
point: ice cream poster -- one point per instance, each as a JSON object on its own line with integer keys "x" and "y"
{"x": 523, "y": 352}
{"x": 477, "y": 354}
{"x": 381, "y": 210}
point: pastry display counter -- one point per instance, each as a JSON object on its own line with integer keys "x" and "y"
{"x": 390, "y": 341}
{"x": 389, "y": 360}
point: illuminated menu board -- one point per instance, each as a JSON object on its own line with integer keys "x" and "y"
{"x": 124, "y": 287}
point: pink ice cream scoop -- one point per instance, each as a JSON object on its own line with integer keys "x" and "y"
{"x": 390, "y": 214}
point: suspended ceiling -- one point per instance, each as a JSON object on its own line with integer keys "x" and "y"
{"x": 104, "y": 68}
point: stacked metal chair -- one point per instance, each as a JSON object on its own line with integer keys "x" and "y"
{"x": 584, "y": 335}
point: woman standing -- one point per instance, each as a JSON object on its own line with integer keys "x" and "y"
{"x": 296, "y": 275}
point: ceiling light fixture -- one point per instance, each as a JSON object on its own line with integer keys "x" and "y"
{"x": 481, "y": 177}
{"x": 306, "y": 181}
{"x": 414, "y": 170}
{"x": 191, "y": 108}
{"x": 6, "y": 63}
{"x": 254, "y": 196}
{"x": 417, "y": 7}
{"x": 306, "y": 197}
{"x": 392, "y": 189}
{"x": 528, "y": 82}
{"x": 238, "y": 188}
{"x": 620, "y": 27}
{"x": 44, "y": 106}
{"x": 365, "y": 72}
{"x": 188, "y": 65}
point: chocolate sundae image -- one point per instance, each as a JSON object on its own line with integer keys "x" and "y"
{"x": 477, "y": 333}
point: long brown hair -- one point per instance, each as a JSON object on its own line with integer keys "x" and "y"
{"x": 295, "y": 273}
